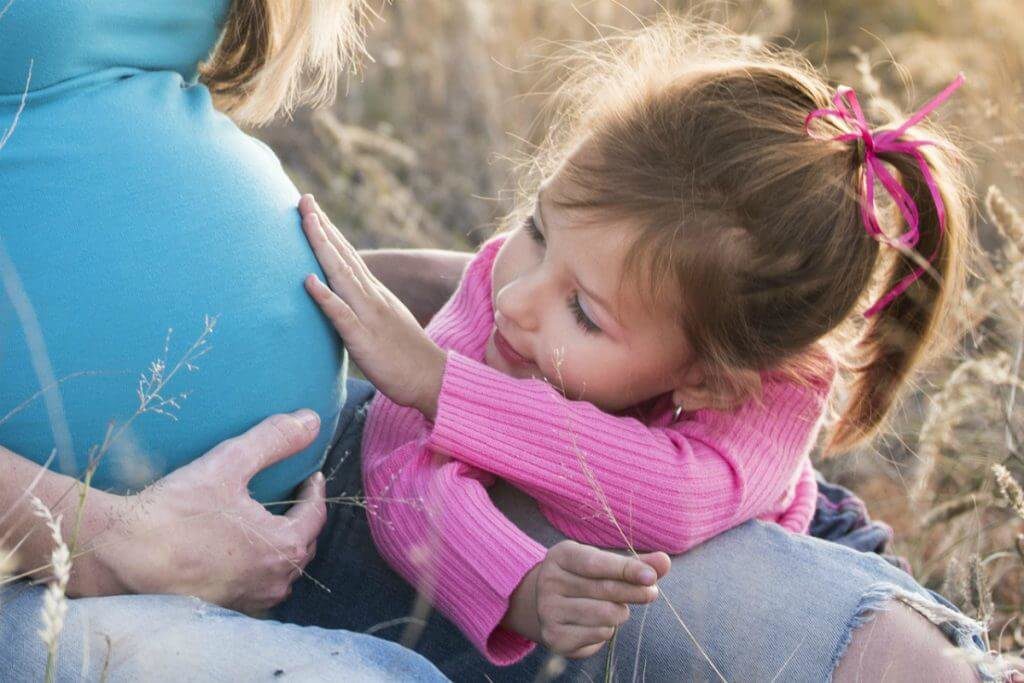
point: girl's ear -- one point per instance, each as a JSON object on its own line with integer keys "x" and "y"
{"x": 694, "y": 392}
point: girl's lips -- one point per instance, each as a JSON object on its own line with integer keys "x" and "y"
{"x": 506, "y": 350}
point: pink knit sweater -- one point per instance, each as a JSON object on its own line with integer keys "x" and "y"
{"x": 606, "y": 480}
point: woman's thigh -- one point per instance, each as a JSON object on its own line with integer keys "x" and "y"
{"x": 758, "y": 603}
{"x": 755, "y": 603}
{"x": 176, "y": 638}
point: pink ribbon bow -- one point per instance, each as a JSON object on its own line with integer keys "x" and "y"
{"x": 879, "y": 142}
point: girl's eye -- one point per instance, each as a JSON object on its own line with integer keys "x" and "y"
{"x": 535, "y": 233}
{"x": 588, "y": 325}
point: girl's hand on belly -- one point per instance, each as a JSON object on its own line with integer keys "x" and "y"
{"x": 381, "y": 335}
{"x": 198, "y": 532}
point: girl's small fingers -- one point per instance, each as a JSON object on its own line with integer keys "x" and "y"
{"x": 342, "y": 245}
{"x": 587, "y": 638}
{"x": 333, "y": 306}
{"x": 568, "y": 638}
{"x": 594, "y": 563}
{"x": 307, "y": 204}
{"x": 661, "y": 563}
{"x": 590, "y": 612}
{"x": 336, "y": 267}
{"x": 584, "y": 652}
{"x": 609, "y": 590}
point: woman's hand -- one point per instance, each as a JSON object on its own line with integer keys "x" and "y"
{"x": 380, "y": 333}
{"x": 573, "y": 601}
{"x": 198, "y": 532}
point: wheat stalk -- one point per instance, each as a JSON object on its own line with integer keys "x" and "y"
{"x": 1010, "y": 489}
{"x": 55, "y": 603}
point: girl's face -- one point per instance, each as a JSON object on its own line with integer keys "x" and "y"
{"x": 559, "y": 314}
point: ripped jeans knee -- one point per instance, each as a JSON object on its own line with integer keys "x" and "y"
{"x": 901, "y": 634}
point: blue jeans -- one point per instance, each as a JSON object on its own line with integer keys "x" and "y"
{"x": 755, "y": 603}
{"x": 176, "y": 638}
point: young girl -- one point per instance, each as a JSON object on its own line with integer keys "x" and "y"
{"x": 649, "y": 351}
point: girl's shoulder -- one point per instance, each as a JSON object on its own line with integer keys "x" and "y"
{"x": 478, "y": 273}
{"x": 489, "y": 251}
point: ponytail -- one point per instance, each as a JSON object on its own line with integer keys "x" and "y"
{"x": 913, "y": 325}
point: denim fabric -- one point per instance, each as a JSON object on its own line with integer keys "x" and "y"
{"x": 155, "y": 638}
{"x": 755, "y": 603}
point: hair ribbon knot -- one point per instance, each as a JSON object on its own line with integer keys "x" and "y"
{"x": 887, "y": 141}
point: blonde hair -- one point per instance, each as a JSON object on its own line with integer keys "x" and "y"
{"x": 274, "y": 55}
{"x": 750, "y": 226}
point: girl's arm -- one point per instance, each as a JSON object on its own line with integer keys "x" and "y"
{"x": 599, "y": 478}
{"x": 615, "y": 481}
{"x": 434, "y": 523}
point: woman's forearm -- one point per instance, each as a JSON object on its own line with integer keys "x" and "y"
{"x": 23, "y": 532}
{"x": 424, "y": 279}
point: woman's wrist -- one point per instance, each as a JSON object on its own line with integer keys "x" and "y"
{"x": 95, "y": 569}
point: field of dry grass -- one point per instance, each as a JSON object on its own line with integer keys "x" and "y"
{"x": 420, "y": 152}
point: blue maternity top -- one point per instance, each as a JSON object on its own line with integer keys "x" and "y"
{"x": 130, "y": 209}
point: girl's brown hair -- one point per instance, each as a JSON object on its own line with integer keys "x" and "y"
{"x": 750, "y": 226}
{"x": 276, "y": 54}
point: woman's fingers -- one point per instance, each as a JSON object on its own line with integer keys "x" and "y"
{"x": 308, "y": 514}
{"x": 271, "y": 441}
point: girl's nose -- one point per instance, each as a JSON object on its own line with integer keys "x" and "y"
{"x": 518, "y": 302}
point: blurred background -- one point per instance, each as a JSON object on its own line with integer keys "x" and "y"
{"x": 420, "y": 150}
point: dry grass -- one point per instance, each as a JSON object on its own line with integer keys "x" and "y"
{"x": 55, "y": 602}
{"x": 433, "y": 129}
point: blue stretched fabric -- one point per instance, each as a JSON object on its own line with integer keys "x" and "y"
{"x": 130, "y": 207}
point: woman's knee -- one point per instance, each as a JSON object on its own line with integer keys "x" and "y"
{"x": 758, "y": 602}
{"x": 899, "y": 644}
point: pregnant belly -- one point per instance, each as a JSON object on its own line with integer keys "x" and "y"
{"x": 133, "y": 213}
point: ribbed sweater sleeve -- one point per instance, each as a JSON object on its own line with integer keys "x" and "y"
{"x": 431, "y": 517}
{"x": 434, "y": 523}
{"x": 611, "y": 480}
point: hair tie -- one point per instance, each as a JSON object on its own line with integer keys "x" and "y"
{"x": 879, "y": 142}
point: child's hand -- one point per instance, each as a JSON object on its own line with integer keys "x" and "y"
{"x": 572, "y": 601}
{"x": 380, "y": 333}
